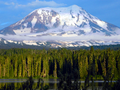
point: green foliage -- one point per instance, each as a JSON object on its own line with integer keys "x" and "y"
{"x": 21, "y": 63}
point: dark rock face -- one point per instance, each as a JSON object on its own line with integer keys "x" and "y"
{"x": 94, "y": 30}
{"x": 71, "y": 14}
{"x": 54, "y": 13}
{"x": 78, "y": 17}
{"x": 81, "y": 32}
{"x": 39, "y": 27}
{"x": 56, "y": 24}
{"x": 49, "y": 19}
{"x": 29, "y": 25}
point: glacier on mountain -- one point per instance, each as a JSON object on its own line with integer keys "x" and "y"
{"x": 68, "y": 26}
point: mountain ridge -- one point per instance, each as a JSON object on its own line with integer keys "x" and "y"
{"x": 61, "y": 25}
{"x": 43, "y": 19}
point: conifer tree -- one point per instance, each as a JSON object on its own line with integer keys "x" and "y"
{"x": 29, "y": 59}
{"x": 24, "y": 67}
{"x": 0, "y": 71}
{"x": 55, "y": 69}
{"x": 39, "y": 66}
{"x": 19, "y": 70}
{"x": 7, "y": 66}
{"x": 15, "y": 66}
{"x": 91, "y": 49}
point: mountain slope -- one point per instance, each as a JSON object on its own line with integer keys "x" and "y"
{"x": 70, "y": 19}
{"x": 64, "y": 25}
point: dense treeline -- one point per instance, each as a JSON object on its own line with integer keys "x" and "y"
{"x": 20, "y": 63}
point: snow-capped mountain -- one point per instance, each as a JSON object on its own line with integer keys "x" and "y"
{"x": 62, "y": 25}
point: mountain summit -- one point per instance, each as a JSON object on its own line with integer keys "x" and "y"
{"x": 72, "y": 19}
{"x": 62, "y": 22}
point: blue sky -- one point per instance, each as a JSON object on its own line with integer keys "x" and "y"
{"x": 12, "y": 11}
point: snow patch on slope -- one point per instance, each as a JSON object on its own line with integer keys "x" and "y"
{"x": 25, "y": 24}
{"x": 101, "y": 23}
{"x": 30, "y": 42}
{"x": 69, "y": 35}
{"x": 34, "y": 21}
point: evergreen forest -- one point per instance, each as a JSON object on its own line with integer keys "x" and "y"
{"x": 23, "y": 63}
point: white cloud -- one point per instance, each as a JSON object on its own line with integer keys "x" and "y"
{"x": 12, "y": 3}
{"x": 40, "y": 3}
{"x": 88, "y": 37}
{"x": 35, "y": 3}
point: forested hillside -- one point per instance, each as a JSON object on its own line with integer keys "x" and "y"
{"x": 20, "y": 63}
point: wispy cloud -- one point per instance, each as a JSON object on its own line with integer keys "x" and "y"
{"x": 36, "y": 3}
{"x": 4, "y": 23}
{"x": 99, "y": 37}
{"x": 12, "y": 3}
